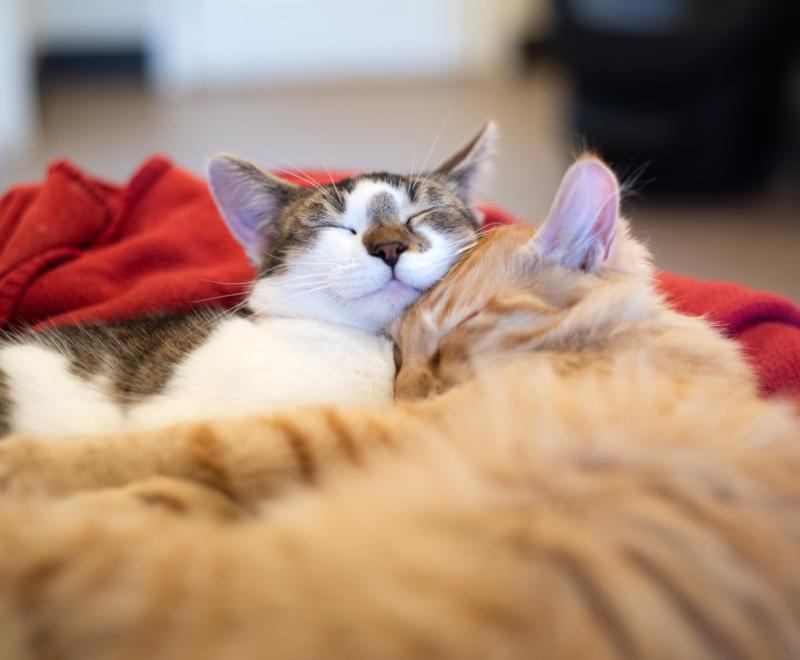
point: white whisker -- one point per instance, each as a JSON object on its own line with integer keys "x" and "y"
{"x": 436, "y": 140}
{"x": 223, "y": 312}
{"x": 325, "y": 165}
{"x": 413, "y": 167}
{"x": 225, "y": 295}
{"x": 275, "y": 301}
{"x": 204, "y": 279}
{"x": 301, "y": 174}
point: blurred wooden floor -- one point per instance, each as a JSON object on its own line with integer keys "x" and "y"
{"x": 110, "y": 128}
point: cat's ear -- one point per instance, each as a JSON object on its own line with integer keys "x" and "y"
{"x": 250, "y": 200}
{"x": 465, "y": 170}
{"x": 581, "y": 227}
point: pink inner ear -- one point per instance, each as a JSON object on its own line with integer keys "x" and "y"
{"x": 244, "y": 201}
{"x": 581, "y": 226}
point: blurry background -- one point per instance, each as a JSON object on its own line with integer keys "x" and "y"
{"x": 695, "y": 102}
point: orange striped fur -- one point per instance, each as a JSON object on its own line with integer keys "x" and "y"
{"x": 577, "y": 472}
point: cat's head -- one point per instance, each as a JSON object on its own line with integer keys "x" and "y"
{"x": 357, "y": 252}
{"x": 562, "y": 287}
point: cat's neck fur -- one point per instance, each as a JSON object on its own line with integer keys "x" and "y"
{"x": 279, "y": 295}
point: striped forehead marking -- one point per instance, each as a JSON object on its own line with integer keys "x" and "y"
{"x": 382, "y": 206}
{"x": 372, "y": 201}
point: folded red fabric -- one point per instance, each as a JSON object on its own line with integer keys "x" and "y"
{"x": 766, "y": 325}
{"x": 75, "y": 248}
{"x": 78, "y": 249}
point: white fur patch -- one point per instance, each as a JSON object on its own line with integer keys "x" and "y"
{"x": 47, "y": 398}
{"x": 245, "y": 367}
{"x": 270, "y": 364}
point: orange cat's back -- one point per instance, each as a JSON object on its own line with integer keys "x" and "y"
{"x": 526, "y": 525}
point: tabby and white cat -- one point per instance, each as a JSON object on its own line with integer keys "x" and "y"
{"x": 597, "y": 479}
{"x": 336, "y": 264}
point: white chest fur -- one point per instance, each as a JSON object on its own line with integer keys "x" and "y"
{"x": 245, "y": 366}
{"x": 275, "y": 363}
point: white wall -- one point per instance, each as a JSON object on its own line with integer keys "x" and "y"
{"x": 209, "y": 43}
{"x": 206, "y": 44}
{"x": 16, "y": 80}
{"x": 73, "y": 24}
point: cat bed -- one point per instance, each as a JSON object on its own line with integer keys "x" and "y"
{"x": 76, "y": 248}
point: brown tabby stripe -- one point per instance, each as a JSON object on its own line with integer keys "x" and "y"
{"x": 597, "y": 602}
{"x": 5, "y": 406}
{"x": 446, "y": 310}
{"x": 163, "y": 500}
{"x": 138, "y": 356}
{"x": 344, "y": 436}
{"x": 208, "y": 454}
{"x": 442, "y": 310}
{"x": 35, "y": 582}
{"x": 714, "y": 639}
{"x": 706, "y": 516}
{"x": 382, "y": 433}
{"x": 516, "y": 304}
{"x": 709, "y": 518}
{"x": 513, "y": 341}
{"x": 433, "y": 298}
{"x": 296, "y": 439}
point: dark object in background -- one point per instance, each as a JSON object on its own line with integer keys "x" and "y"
{"x": 691, "y": 89}
{"x": 54, "y": 65}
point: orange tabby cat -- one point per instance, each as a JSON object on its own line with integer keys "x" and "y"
{"x": 597, "y": 479}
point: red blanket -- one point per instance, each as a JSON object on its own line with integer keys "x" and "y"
{"x": 76, "y": 248}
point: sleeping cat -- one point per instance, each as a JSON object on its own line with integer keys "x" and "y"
{"x": 595, "y": 477}
{"x": 336, "y": 264}
{"x": 572, "y": 300}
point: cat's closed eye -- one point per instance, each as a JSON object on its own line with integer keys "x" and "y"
{"x": 334, "y": 226}
{"x": 417, "y": 215}
{"x": 421, "y": 214}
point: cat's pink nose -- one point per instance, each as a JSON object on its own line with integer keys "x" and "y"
{"x": 390, "y": 251}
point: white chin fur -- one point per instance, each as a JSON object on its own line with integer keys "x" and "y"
{"x": 280, "y": 296}
{"x": 422, "y": 270}
{"x": 338, "y": 281}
